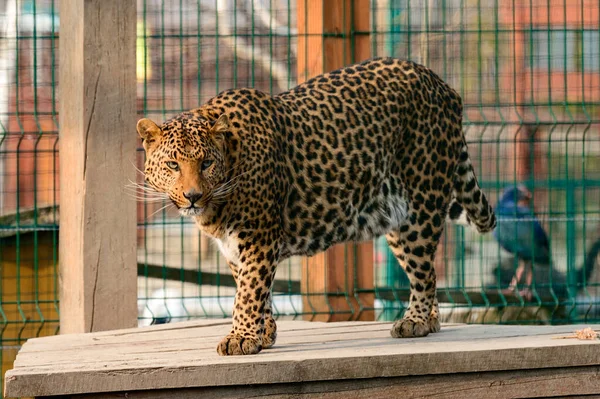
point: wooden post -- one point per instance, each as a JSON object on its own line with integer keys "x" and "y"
{"x": 332, "y": 34}
{"x": 97, "y": 145}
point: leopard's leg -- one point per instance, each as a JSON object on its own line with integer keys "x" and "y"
{"x": 414, "y": 246}
{"x": 255, "y": 272}
{"x": 434, "y": 317}
{"x": 270, "y": 326}
{"x": 234, "y": 271}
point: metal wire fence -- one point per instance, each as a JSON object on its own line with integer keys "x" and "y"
{"x": 529, "y": 75}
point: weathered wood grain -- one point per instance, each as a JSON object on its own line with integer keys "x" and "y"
{"x": 546, "y": 383}
{"x": 183, "y": 356}
{"x": 97, "y": 147}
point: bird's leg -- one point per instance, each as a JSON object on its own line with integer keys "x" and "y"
{"x": 526, "y": 292}
{"x": 529, "y": 276}
{"x": 517, "y": 277}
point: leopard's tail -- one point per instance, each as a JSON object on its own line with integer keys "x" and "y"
{"x": 469, "y": 205}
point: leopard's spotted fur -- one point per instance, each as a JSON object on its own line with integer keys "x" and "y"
{"x": 374, "y": 148}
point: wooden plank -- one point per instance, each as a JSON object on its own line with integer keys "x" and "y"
{"x": 327, "y": 353}
{"x": 170, "y": 355}
{"x": 378, "y": 335}
{"x": 186, "y": 374}
{"x": 181, "y": 339}
{"x": 112, "y": 352}
{"x": 80, "y": 341}
{"x": 97, "y": 115}
{"x": 545, "y": 383}
{"x": 208, "y": 330}
{"x": 173, "y": 356}
{"x": 327, "y": 41}
{"x": 206, "y": 338}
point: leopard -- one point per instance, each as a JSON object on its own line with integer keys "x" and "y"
{"x": 374, "y": 148}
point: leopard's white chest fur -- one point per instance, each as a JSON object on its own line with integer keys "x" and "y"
{"x": 228, "y": 245}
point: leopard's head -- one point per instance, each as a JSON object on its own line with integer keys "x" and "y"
{"x": 185, "y": 159}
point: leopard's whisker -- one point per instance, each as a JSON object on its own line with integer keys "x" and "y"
{"x": 230, "y": 185}
{"x": 166, "y": 207}
{"x": 143, "y": 189}
{"x": 140, "y": 185}
{"x": 136, "y": 168}
{"x": 227, "y": 186}
{"x": 233, "y": 167}
{"x": 235, "y": 178}
{"x": 146, "y": 200}
{"x": 223, "y": 194}
{"x": 145, "y": 194}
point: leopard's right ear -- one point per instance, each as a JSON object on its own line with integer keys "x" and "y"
{"x": 148, "y": 131}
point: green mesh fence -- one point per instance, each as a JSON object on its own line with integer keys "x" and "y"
{"x": 529, "y": 80}
{"x": 28, "y": 174}
{"x": 529, "y": 75}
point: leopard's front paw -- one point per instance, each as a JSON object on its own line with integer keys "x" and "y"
{"x": 234, "y": 344}
{"x": 406, "y": 328}
{"x": 269, "y": 340}
{"x": 270, "y": 333}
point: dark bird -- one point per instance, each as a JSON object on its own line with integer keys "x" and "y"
{"x": 553, "y": 286}
{"x": 519, "y": 232}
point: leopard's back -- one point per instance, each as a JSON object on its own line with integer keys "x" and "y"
{"x": 360, "y": 144}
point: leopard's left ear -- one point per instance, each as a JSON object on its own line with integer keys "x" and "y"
{"x": 219, "y": 127}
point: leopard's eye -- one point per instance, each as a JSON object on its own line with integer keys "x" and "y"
{"x": 206, "y": 164}
{"x": 173, "y": 165}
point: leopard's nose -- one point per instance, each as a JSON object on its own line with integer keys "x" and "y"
{"x": 192, "y": 196}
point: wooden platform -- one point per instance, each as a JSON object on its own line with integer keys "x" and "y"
{"x": 336, "y": 360}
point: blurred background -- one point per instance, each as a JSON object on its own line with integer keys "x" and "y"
{"x": 529, "y": 75}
